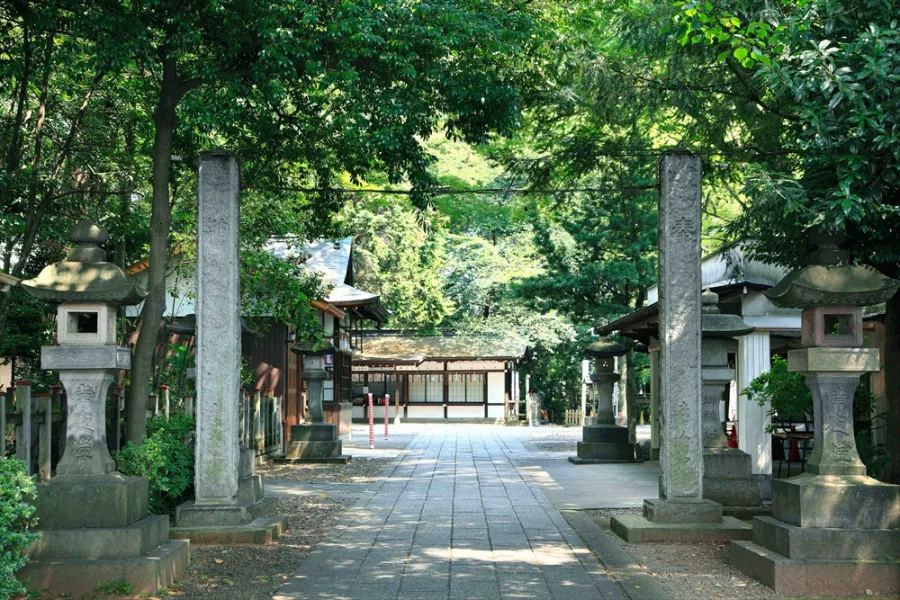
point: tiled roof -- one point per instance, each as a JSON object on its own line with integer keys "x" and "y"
{"x": 439, "y": 347}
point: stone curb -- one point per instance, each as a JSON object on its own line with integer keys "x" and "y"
{"x": 626, "y": 572}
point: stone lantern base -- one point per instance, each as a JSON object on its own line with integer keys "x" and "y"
{"x": 116, "y": 539}
{"x": 249, "y": 519}
{"x": 314, "y": 443}
{"x": 828, "y": 534}
{"x": 606, "y": 443}
{"x": 728, "y": 479}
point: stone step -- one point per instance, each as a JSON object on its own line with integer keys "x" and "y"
{"x": 188, "y": 515}
{"x": 263, "y": 530}
{"x": 606, "y": 452}
{"x": 313, "y": 449}
{"x": 790, "y": 576}
{"x": 826, "y": 543}
{"x": 75, "y": 577}
{"x": 134, "y": 541}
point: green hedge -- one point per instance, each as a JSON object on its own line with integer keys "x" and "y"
{"x": 16, "y": 519}
{"x": 166, "y": 459}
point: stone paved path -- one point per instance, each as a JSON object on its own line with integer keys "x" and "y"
{"x": 455, "y": 519}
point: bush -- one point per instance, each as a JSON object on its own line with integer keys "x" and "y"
{"x": 15, "y": 521}
{"x": 166, "y": 459}
{"x": 786, "y": 393}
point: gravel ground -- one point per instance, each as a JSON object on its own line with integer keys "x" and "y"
{"x": 569, "y": 446}
{"x": 358, "y": 470}
{"x": 256, "y": 572}
{"x": 693, "y": 571}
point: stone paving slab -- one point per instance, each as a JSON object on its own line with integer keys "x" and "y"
{"x": 453, "y": 519}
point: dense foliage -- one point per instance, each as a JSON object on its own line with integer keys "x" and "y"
{"x": 166, "y": 459}
{"x": 16, "y": 522}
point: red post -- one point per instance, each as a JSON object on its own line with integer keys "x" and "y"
{"x": 387, "y": 403}
{"x": 371, "y": 423}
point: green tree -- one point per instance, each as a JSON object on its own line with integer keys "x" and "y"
{"x": 399, "y": 259}
{"x": 305, "y": 92}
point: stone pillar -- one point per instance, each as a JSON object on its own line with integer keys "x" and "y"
{"x": 229, "y": 504}
{"x": 218, "y": 328}
{"x": 753, "y": 359}
{"x": 681, "y": 513}
{"x": 681, "y": 479}
{"x": 314, "y": 392}
{"x": 654, "y": 401}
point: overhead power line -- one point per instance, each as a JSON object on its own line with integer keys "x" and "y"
{"x": 447, "y": 191}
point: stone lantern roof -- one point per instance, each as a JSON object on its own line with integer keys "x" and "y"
{"x": 605, "y": 348}
{"x": 714, "y": 324}
{"x": 829, "y": 280}
{"x": 85, "y": 275}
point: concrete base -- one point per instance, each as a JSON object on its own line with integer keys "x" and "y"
{"x": 841, "y": 501}
{"x": 115, "y": 501}
{"x": 636, "y": 529}
{"x": 800, "y": 576}
{"x": 191, "y": 515}
{"x": 659, "y": 510}
{"x": 654, "y": 453}
{"x": 263, "y": 530}
{"x": 102, "y": 543}
{"x": 577, "y": 460}
{"x": 312, "y": 450}
{"x": 77, "y": 577}
{"x": 604, "y": 444}
{"x": 728, "y": 478}
{"x": 314, "y": 443}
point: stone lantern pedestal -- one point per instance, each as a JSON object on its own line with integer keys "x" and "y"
{"x": 833, "y": 530}
{"x": 94, "y": 523}
{"x": 314, "y": 441}
{"x": 727, "y": 472}
{"x": 602, "y": 440}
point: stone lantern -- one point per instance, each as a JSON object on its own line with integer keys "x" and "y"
{"x": 94, "y": 521}
{"x": 314, "y": 440}
{"x": 833, "y": 529}
{"x": 603, "y": 440}
{"x": 727, "y": 472}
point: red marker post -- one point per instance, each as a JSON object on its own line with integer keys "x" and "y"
{"x": 387, "y": 402}
{"x": 371, "y": 423}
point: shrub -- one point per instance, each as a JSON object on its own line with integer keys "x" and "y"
{"x": 786, "y": 393}
{"x": 166, "y": 459}
{"x": 15, "y": 521}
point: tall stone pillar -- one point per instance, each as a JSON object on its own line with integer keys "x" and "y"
{"x": 681, "y": 479}
{"x": 654, "y": 399}
{"x": 229, "y": 504}
{"x": 753, "y": 359}
{"x": 680, "y": 512}
{"x": 218, "y": 328}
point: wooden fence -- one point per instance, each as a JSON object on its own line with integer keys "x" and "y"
{"x": 33, "y": 426}
{"x": 573, "y": 418}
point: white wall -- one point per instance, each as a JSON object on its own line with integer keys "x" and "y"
{"x": 466, "y": 412}
{"x": 496, "y": 387}
{"x": 427, "y": 412}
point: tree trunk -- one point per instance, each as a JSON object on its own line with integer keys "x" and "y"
{"x": 892, "y": 386}
{"x": 160, "y": 221}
